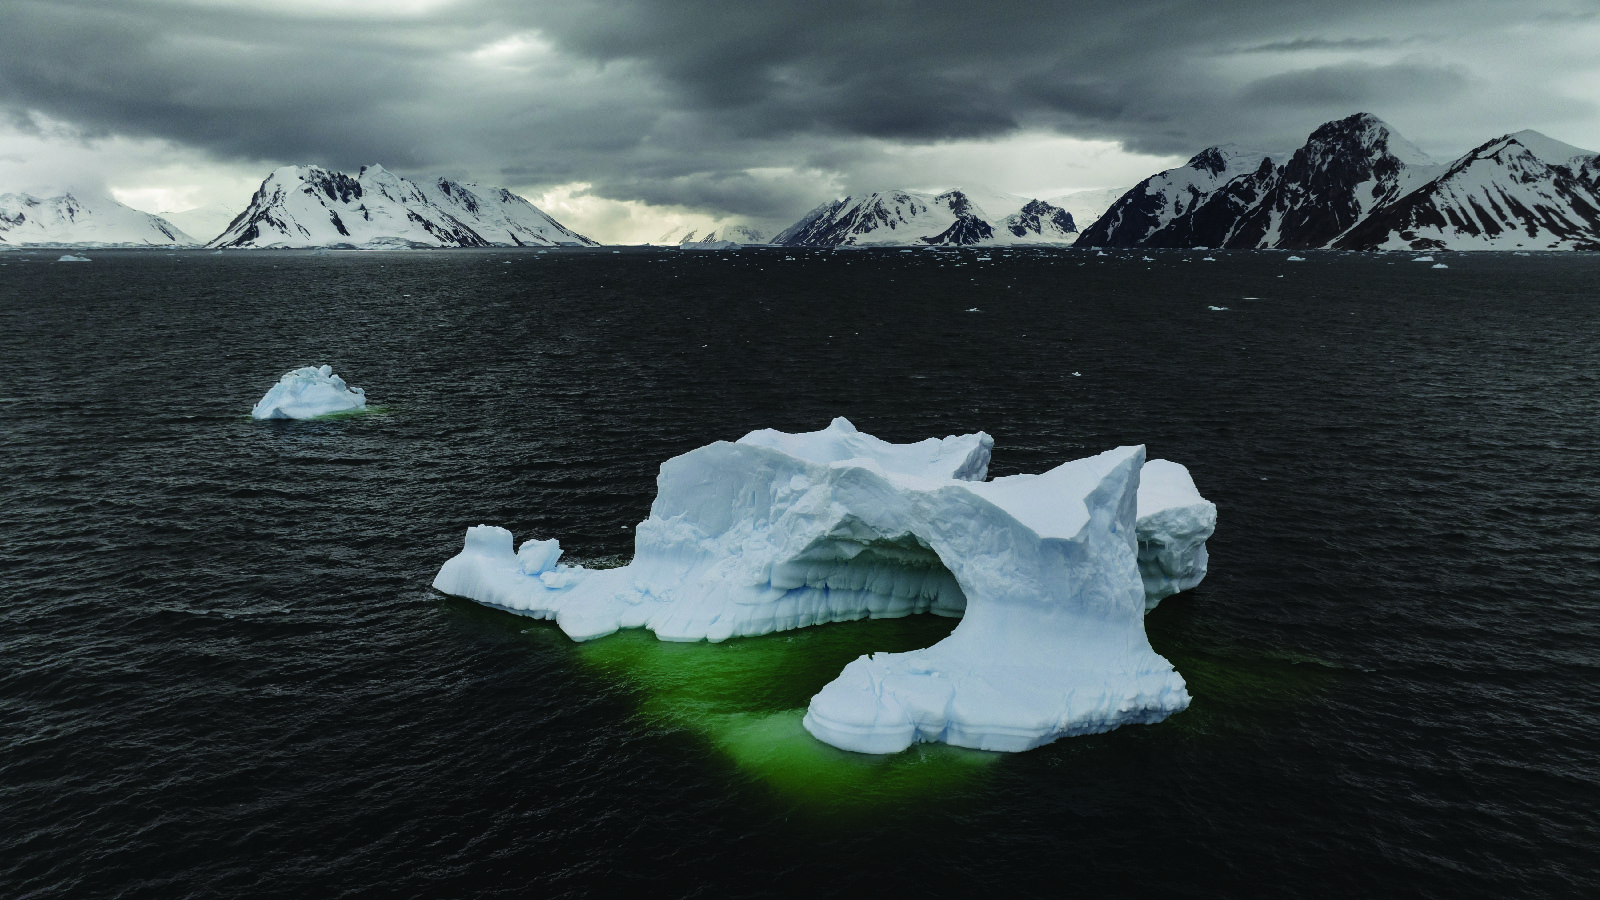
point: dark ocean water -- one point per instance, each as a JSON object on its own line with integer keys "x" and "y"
{"x": 223, "y": 671}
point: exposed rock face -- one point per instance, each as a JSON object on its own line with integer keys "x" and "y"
{"x": 1346, "y": 170}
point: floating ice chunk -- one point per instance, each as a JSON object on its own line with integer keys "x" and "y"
{"x": 1209, "y": 259}
{"x": 1438, "y": 266}
{"x": 308, "y": 392}
{"x": 1296, "y": 259}
{"x": 1423, "y": 258}
{"x": 72, "y": 258}
{"x": 780, "y": 531}
{"x": 1217, "y": 308}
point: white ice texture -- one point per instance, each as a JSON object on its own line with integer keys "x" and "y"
{"x": 308, "y": 392}
{"x": 1051, "y": 574}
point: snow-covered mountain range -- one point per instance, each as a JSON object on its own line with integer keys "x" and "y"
{"x": 1359, "y": 185}
{"x": 726, "y": 234}
{"x": 1520, "y": 190}
{"x": 1356, "y": 184}
{"x": 81, "y": 218}
{"x": 308, "y": 206}
{"x": 963, "y": 217}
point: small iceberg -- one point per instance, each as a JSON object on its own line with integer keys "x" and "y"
{"x": 309, "y": 392}
{"x": 1217, "y": 308}
{"x": 71, "y": 258}
{"x": 1439, "y": 266}
{"x": 1423, "y": 258}
{"x": 1296, "y": 259}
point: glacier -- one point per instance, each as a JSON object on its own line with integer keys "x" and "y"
{"x": 308, "y": 392}
{"x": 1051, "y": 575}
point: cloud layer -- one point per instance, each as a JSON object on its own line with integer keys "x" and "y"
{"x": 757, "y": 110}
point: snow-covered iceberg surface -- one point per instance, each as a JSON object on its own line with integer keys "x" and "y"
{"x": 307, "y": 392}
{"x": 780, "y": 531}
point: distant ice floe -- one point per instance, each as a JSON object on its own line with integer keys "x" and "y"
{"x": 1438, "y": 266}
{"x": 309, "y": 392}
{"x": 1217, "y": 308}
{"x": 1423, "y": 258}
{"x": 1051, "y": 573}
{"x": 72, "y": 258}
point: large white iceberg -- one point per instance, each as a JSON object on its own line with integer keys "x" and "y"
{"x": 308, "y": 392}
{"x": 1052, "y": 575}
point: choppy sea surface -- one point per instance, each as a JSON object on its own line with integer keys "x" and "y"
{"x": 223, "y": 671}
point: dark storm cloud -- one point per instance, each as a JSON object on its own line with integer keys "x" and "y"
{"x": 1356, "y": 84}
{"x": 671, "y": 102}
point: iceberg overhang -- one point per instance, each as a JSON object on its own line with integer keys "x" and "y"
{"x": 1051, "y": 574}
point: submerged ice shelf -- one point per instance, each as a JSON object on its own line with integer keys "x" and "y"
{"x": 308, "y": 392}
{"x": 1051, "y": 574}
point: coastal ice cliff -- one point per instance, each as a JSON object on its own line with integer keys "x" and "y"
{"x": 308, "y": 392}
{"x": 1051, "y": 573}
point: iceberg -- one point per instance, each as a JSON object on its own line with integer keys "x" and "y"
{"x": 308, "y": 392}
{"x": 1051, "y": 575}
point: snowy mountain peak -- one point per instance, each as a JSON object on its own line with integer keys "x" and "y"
{"x": 1550, "y": 151}
{"x": 726, "y": 234}
{"x": 1154, "y": 204}
{"x": 309, "y": 206}
{"x": 957, "y": 217}
{"x": 1040, "y": 221}
{"x": 81, "y": 217}
{"x": 1367, "y": 130}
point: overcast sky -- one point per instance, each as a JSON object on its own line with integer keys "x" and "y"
{"x": 624, "y": 117}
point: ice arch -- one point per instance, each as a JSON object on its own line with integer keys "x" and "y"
{"x": 781, "y": 531}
